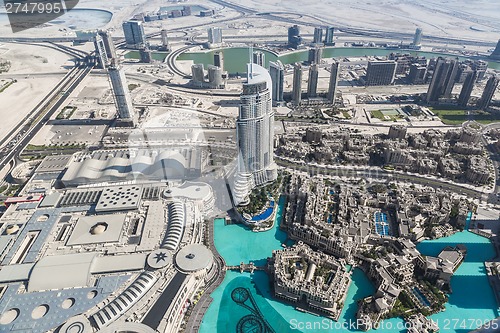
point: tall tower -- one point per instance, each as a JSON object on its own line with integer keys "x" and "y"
{"x": 315, "y": 55}
{"x": 100, "y": 50}
{"x": 277, "y": 73}
{"x": 488, "y": 93}
{"x": 258, "y": 58}
{"x": 214, "y": 35}
{"x": 380, "y": 73}
{"x": 297, "y": 84}
{"x": 255, "y": 133}
{"x": 451, "y": 78}
{"x": 134, "y": 33}
{"x": 108, "y": 44}
{"x": 294, "y": 39}
{"x": 145, "y": 54}
{"x": 318, "y": 35}
{"x": 334, "y": 77}
{"x": 417, "y": 39}
{"x": 219, "y": 59}
{"x": 467, "y": 88}
{"x": 198, "y": 75}
{"x": 312, "y": 83}
{"x": 496, "y": 52}
{"x": 164, "y": 40}
{"x": 443, "y": 79}
{"x": 121, "y": 93}
{"x": 329, "y": 36}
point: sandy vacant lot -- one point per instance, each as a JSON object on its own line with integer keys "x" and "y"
{"x": 37, "y": 70}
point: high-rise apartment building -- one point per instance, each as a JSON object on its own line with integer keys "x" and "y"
{"x": 219, "y": 59}
{"x": 443, "y": 79}
{"x": 294, "y": 39}
{"x": 488, "y": 92}
{"x": 277, "y": 73}
{"x": 297, "y": 84}
{"x": 315, "y": 55}
{"x": 334, "y": 78}
{"x": 312, "y": 83}
{"x": 134, "y": 33}
{"x": 380, "y": 73}
{"x": 164, "y": 40}
{"x": 318, "y": 35}
{"x": 467, "y": 88}
{"x": 329, "y": 36}
{"x": 198, "y": 75}
{"x": 258, "y": 58}
{"x": 417, "y": 74}
{"x": 214, "y": 35}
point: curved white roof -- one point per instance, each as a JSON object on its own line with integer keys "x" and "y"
{"x": 61, "y": 271}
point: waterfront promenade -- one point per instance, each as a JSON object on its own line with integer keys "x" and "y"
{"x": 196, "y": 317}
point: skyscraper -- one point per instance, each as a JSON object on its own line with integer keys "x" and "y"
{"x": 329, "y": 36}
{"x": 417, "y": 39}
{"x": 164, "y": 40}
{"x": 294, "y": 39}
{"x": 451, "y": 78}
{"x": 108, "y": 44}
{"x": 496, "y": 52}
{"x": 380, "y": 73}
{"x": 215, "y": 80}
{"x": 334, "y": 77}
{"x": 417, "y": 74}
{"x": 443, "y": 79}
{"x": 312, "y": 83}
{"x": 277, "y": 73}
{"x": 255, "y": 134}
{"x": 219, "y": 59}
{"x": 198, "y": 75}
{"x": 315, "y": 55}
{"x": 145, "y": 54}
{"x": 318, "y": 35}
{"x": 121, "y": 93}
{"x": 214, "y": 35}
{"x": 480, "y": 66}
{"x": 100, "y": 50}
{"x": 258, "y": 58}
{"x": 297, "y": 84}
{"x": 467, "y": 88}
{"x": 134, "y": 33}
{"x": 488, "y": 93}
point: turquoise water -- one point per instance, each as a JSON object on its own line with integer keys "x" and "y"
{"x": 237, "y": 243}
{"x": 223, "y": 314}
{"x": 235, "y": 59}
{"x": 471, "y": 303}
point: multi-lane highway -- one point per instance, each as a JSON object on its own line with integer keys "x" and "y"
{"x": 51, "y": 104}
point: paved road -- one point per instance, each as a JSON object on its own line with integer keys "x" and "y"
{"x": 381, "y": 173}
{"x": 56, "y": 103}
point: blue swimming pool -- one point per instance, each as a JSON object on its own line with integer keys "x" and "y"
{"x": 265, "y": 214}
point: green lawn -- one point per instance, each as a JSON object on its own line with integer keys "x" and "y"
{"x": 380, "y": 115}
{"x": 458, "y": 116}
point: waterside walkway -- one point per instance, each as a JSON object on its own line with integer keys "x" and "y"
{"x": 196, "y": 317}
